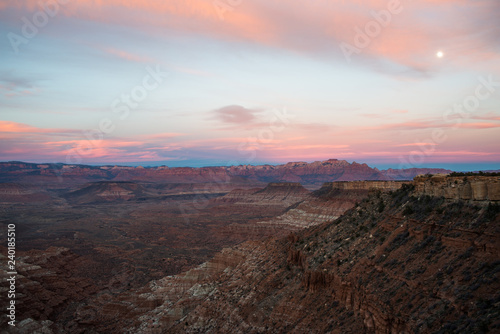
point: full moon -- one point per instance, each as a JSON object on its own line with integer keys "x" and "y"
{"x": 440, "y": 54}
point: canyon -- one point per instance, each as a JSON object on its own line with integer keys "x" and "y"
{"x": 310, "y": 175}
{"x": 122, "y": 255}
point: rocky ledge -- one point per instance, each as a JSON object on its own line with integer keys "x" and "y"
{"x": 475, "y": 188}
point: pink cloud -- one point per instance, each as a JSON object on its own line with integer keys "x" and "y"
{"x": 127, "y": 55}
{"x": 410, "y": 125}
{"x": 161, "y": 136}
{"x": 416, "y": 144}
{"x": 491, "y": 116}
{"x": 312, "y": 127}
{"x": 312, "y": 146}
{"x": 429, "y": 124}
{"x": 13, "y": 127}
{"x": 483, "y": 125}
{"x": 21, "y": 140}
{"x": 235, "y": 114}
{"x": 373, "y": 115}
{"x": 410, "y": 39}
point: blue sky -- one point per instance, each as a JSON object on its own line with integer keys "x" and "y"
{"x": 264, "y": 81}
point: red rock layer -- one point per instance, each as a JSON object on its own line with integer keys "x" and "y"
{"x": 310, "y": 174}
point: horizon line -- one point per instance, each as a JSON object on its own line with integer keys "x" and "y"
{"x": 155, "y": 164}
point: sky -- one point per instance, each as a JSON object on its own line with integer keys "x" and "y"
{"x": 394, "y": 84}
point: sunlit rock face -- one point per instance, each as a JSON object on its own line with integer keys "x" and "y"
{"x": 475, "y": 188}
{"x": 362, "y": 256}
{"x": 311, "y": 175}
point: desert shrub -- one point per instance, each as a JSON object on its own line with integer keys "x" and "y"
{"x": 407, "y": 187}
{"x": 399, "y": 240}
{"x": 423, "y": 244}
{"x": 436, "y": 249}
{"x": 424, "y": 205}
{"x": 466, "y": 276}
{"x": 381, "y": 206}
{"x": 401, "y": 195}
{"x": 408, "y": 210}
{"x": 480, "y": 173}
{"x": 492, "y": 210}
{"x": 448, "y": 269}
{"x": 466, "y": 254}
{"x": 391, "y": 264}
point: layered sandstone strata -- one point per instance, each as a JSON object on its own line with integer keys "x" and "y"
{"x": 475, "y": 188}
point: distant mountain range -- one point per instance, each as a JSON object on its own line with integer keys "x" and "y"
{"x": 309, "y": 174}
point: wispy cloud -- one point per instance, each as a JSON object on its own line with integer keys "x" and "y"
{"x": 236, "y": 116}
{"x": 20, "y": 128}
{"x": 415, "y": 144}
{"x": 312, "y": 127}
{"x": 54, "y": 144}
{"x": 410, "y": 39}
{"x": 129, "y": 56}
{"x": 373, "y": 115}
{"x": 12, "y": 84}
{"x": 430, "y": 124}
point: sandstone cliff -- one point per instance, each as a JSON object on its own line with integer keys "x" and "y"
{"x": 362, "y": 185}
{"x": 312, "y": 175}
{"x": 374, "y": 270}
{"x": 281, "y": 194}
{"x": 357, "y": 257}
{"x": 411, "y": 173}
{"x": 18, "y": 193}
{"x": 106, "y": 191}
{"x": 304, "y": 209}
{"x": 475, "y": 188}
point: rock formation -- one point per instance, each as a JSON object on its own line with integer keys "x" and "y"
{"x": 370, "y": 271}
{"x": 411, "y": 173}
{"x": 475, "y": 188}
{"x": 359, "y": 257}
{"x": 19, "y": 193}
{"x": 107, "y": 191}
{"x": 311, "y": 175}
{"x": 47, "y": 283}
{"x": 281, "y": 194}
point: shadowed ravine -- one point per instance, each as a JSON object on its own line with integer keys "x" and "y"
{"x": 354, "y": 256}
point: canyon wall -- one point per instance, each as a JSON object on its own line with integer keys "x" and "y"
{"x": 475, "y": 188}
{"x": 311, "y": 174}
{"x": 345, "y": 258}
{"x": 281, "y": 194}
{"x": 371, "y": 271}
{"x": 364, "y": 185}
{"x": 304, "y": 209}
